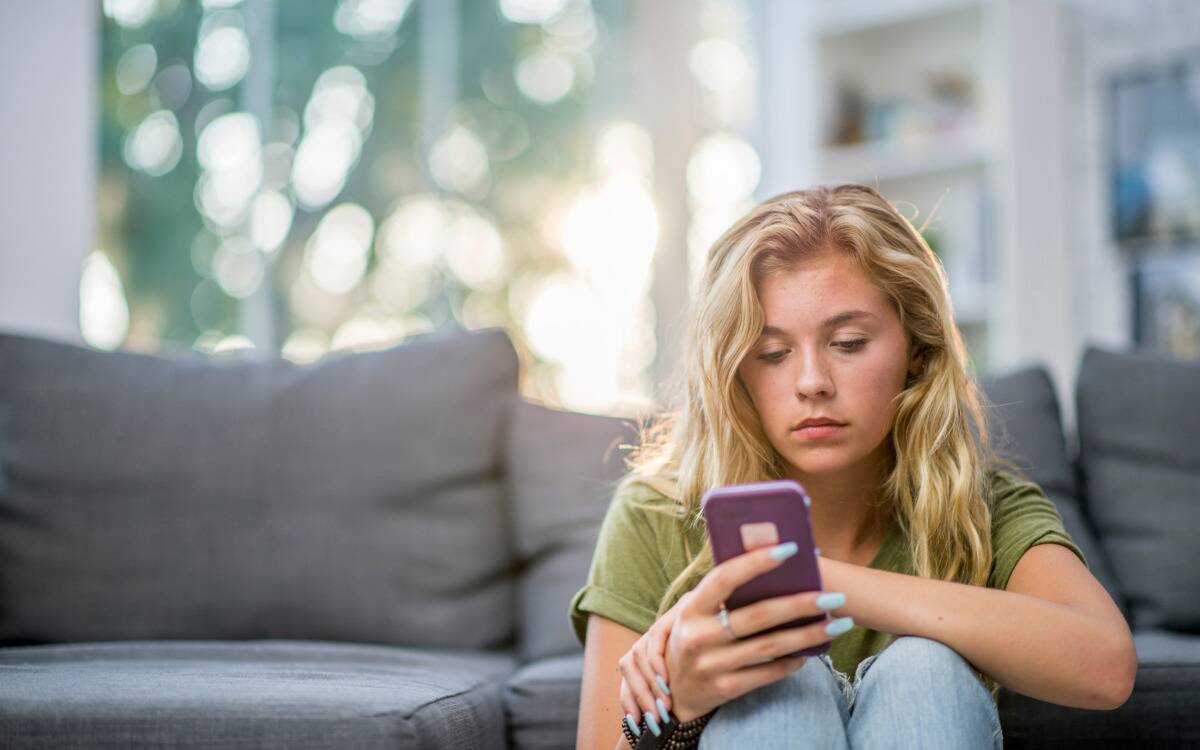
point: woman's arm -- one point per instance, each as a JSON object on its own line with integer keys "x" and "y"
{"x": 600, "y": 712}
{"x": 1054, "y": 634}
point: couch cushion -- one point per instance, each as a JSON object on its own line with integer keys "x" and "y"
{"x": 264, "y": 694}
{"x": 1161, "y": 713}
{"x": 1026, "y": 428}
{"x": 542, "y": 703}
{"x": 562, "y": 468}
{"x": 1166, "y": 647}
{"x": 1139, "y": 428}
{"x": 358, "y": 498}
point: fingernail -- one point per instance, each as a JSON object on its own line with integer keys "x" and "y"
{"x": 650, "y": 722}
{"x": 662, "y": 684}
{"x": 784, "y": 551}
{"x": 831, "y": 600}
{"x": 662, "y": 711}
{"x": 633, "y": 727}
{"x": 839, "y": 626}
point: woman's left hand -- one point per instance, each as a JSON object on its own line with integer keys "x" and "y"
{"x": 644, "y": 665}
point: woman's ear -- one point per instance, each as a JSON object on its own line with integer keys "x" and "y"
{"x": 916, "y": 363}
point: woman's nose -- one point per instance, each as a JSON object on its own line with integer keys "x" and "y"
{"x": 813, "y": 380}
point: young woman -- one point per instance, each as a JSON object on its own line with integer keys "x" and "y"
{"x": 822, "y": 348}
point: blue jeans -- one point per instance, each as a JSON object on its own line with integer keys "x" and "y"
{"x": 916, "y": 692}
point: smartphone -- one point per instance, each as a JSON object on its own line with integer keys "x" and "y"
{"x": 743, "y": 517}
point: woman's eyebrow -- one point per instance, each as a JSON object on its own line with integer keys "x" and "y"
{"x": 831, "y": 321}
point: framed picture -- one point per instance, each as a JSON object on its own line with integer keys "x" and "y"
{"x": 1154, "y": 153}
{"x": 1167, "y": 303}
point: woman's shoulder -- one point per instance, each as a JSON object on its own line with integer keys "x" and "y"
{"x": 1005, "y": 483}
{"x": 650, "y": 502}
{"x": 649, "y": 494}
{"x": 1015, "y": 497}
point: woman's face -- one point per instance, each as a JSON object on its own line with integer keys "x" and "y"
{"x": 832, "y": 347}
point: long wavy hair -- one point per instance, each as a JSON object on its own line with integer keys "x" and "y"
{"x": 936, "y": 486}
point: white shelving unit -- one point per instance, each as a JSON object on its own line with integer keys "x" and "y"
{"x": 979, "y": 154}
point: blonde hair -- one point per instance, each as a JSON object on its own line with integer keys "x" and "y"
{"x": 936, "y": 486}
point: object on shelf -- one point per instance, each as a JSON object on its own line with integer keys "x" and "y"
{"x": 948, "y": 105}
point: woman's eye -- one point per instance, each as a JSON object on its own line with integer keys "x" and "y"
{"x": 849, "y": 345}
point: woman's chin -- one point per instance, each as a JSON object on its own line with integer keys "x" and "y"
{"x": 821, "y": 463}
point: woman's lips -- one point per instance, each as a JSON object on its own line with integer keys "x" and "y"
{"x": 817, "y": 432}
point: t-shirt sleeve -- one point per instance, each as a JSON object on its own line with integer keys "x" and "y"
{"x": 1022, "y": 516}
{"x": 627, "y": 577}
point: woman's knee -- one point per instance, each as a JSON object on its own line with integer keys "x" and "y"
{"x": 808, "y": 700}
{"x": 923, "y": 664}
{"x": 912, "y": 654}
{"x": 814, "y": 681}
{"x": 921, "y": 689}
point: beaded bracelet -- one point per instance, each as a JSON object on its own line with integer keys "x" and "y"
{"x": 675, "y": 736}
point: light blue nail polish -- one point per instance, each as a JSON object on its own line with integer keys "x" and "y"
{"x": 633, "y": 727}
{"x": 831, "y": 600}
{"x": 662, "y": 685}
{"x": 839, "y": 626}
{"x": 784, "y": 551}
{"x": 650, "y": 722}
{"x": 662, "y": 711}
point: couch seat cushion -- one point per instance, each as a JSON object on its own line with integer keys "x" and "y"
{"x": 1160, "y": 713}
{"x": 1166, "y": 647}
{"x": 542, "y": 703}
{"x": 262, "y": 694}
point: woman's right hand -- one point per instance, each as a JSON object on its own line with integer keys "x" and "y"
{"x": 708, "y": 667}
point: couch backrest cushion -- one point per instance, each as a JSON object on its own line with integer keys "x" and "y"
{"x": 1139, "y": 432}
{"x": 358, "y": 498}
{"x": 1026, "y": 428}
{"x": 562, "y": 468}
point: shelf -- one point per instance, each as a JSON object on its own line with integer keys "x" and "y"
{"x": 836, "y": 17}
{"x": 914, "y": 156}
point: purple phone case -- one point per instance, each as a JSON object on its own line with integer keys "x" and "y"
{"x": 782, "y": 502}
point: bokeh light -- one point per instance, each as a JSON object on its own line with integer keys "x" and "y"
{"x": 723, "y": 169}
{"x": 130, "y": 14}
{"x": 545, "y": 76}
{"x": 531, "y": 11}
{"x": 230, "y": 153}
{"x": 336, "y": 119}
{"x": 103, "y": 311}
{"x": 270, "y": 219}
{"x": 458, "y": 161}
{"x": 610, "y": 235}
{"x": 135, "y": 68}
{"x": 222, "y": 52}
{"x": 155, "y": 146}
{"x": 337, "y": 253}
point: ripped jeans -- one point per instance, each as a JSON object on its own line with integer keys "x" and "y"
{"x": 916, "y": 692}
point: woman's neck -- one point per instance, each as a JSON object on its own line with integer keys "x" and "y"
{"x": 848, "y": 522}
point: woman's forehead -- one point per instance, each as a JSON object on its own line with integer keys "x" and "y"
{"x": 820, "y": 291}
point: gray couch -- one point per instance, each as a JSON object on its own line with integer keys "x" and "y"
{"x": 377, "y": 550}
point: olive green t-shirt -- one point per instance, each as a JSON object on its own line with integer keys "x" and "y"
{"x": 640, "y": 551}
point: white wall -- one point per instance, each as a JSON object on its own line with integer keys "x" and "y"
{"x": 49, "y": 54}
